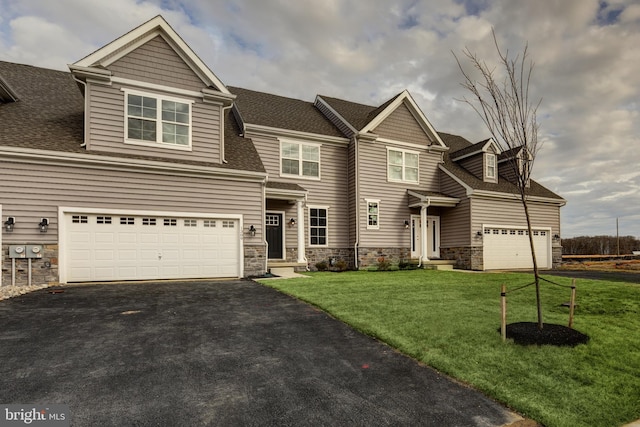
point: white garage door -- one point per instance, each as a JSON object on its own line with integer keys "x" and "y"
{"x": 508, "y": 248}
{"x": 129, "y": 247}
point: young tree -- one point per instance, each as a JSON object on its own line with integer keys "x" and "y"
{"x": 501, "y": 99}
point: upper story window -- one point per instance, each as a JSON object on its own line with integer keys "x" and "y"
{"x": 157, "y": 120}
{"x": 298, "y": 159}
{"x": 491, "y": 165}
{"x": 402, "y": 165}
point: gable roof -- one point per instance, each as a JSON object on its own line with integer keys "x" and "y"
{"x": 274, "y": 111}
{"x": 157, "y": 26}
{"x": 365, "y": 118}
{"x": 458, "y": 143}
{"x": 50, "y": 116}
{"x": 472, "y": 149}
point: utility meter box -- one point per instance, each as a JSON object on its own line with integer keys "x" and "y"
{"x": 17, "y": 251}
{"x": 34, "y": 251}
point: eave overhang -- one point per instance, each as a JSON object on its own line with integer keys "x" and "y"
{"x": 280, "y": 132}
{"x": 436, "y": 200}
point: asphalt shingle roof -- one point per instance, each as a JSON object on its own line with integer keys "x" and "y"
{"x": 357, "y": 115}
{"x": 49, "y": 115}
{"x": 265, "y": 109}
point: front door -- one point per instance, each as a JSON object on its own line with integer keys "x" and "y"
{"x": 433, "y": 236}
{"x": 274, "y": 234}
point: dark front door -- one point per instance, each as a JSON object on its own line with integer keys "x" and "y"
{"x": 273, "y": 223}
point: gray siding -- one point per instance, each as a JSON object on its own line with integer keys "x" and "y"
{"x": 401, "y": 125}
{"x": 455, "y": 223}
{"x": 393, "y": 196}
{"x": 331, "y": 190}
{"x": 106, "y": 128}
{"x": 474, "y": 164}
{"x": 111, "y": 189}
{"x": 511, "y": 212}
{"x": 156, "y": 62}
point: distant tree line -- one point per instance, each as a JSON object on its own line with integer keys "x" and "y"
{"x": 599, "y": 245}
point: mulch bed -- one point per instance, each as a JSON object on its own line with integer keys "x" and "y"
{"x": 527, "y": 333}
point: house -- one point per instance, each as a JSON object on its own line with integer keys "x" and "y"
{"x": 140, "y": 163}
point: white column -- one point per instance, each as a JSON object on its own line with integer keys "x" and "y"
{"x": 300, "y": 222}
{"x": 423, "y": 234}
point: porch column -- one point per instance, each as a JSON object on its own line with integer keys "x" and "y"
{"x": 423, "y": 234}
{"x": 301, "y": 255}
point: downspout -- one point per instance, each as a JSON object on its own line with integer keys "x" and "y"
{"x": 357, "y": 200}
{"x": 86, "y": 110}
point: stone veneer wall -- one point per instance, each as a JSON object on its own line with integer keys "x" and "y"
{"x": 316, "y": 255}
{"x": 254, "y": 260}
{"x": 466, "y": 257}
{"x": 43, "y": 270}
{"x": 556, "y": 256}
{"x": 369, "y": 257}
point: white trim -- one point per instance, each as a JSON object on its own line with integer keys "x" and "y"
{"x": 205, "y": 93}
{"x": 482, "y": 149}
{"x": 155, "y": 26}
{"x": 377, "y": 202}
{"x": 338, "y": 115}
{"x": 309, "y": 207}
{"x": 487, "y": 165}
{"x": 65, "y": 210}
{"x": 403, "y": 151}
{"x": 300, "y": 159}
{"x": 438, "y": 201}
{"x": 158, "y": 143}
{"x": 287, "y": 133}
{"x": 402, "y": 143}
{"x": 414, "y": 109}
{"x": 55, "y": 158}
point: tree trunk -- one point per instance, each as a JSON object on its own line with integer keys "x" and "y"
{"x": 535, "y": 261}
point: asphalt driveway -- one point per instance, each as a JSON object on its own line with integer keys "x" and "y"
{"x": 215, "y": 353}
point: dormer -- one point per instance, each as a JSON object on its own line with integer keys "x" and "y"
{"x": 148, "y": 94}
{"x": 512, "y": 163}
{"x": 481, "y": 159}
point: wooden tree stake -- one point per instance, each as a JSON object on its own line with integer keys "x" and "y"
{"x": 503, "y": 325}
{"x": 572, "y": 303}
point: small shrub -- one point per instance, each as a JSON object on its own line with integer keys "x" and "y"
{"x": 341, "y": 265}
{"x": 322, "y": 266}
{"x": 383, "y": 264}
{"x": 403, "y": 265}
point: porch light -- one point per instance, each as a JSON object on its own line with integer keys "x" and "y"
{"x": 406, "y": 224}
{"x": 479, "y": 234}
{"x": 556, "y": 237}
{"x": 252, "y": 231}
{"x": 292, "y": 222}
{"x": 44, "y": 225}
{"x": 9, "y": 223}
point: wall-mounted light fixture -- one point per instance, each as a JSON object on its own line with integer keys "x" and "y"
{"x": 406, "y": 224}
{"x": 44, "y": 225}
{"x": 9, "y": 223}
{"x": 252, "y": 231}
{"x": 479, "y": 234}
{"x": 292, "y": 222}
{"x": 556, "y": 237}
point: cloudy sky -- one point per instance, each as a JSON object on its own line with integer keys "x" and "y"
{"x": 586, "y": 53}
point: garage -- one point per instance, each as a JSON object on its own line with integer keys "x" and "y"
{"x": 507, "y": 247}
{"x": 125, "y": 246}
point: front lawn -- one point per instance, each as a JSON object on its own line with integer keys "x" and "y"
{"x": 449, "y": 320}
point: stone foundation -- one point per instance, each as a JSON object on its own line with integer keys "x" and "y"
{"x": 556, "y": 256}
{"x": 466, "y": 257}
{"x": 254, "y": 260}
{"x": 316, "y": 255}
{"x": 370, "y": 257}
{"x": 43, "y": 270}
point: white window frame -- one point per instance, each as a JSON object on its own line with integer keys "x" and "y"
{"x": 300, "y": 144}
{"x": 404, "y": 166}
{"x": 158, "y": 143}
{"x": 370, "y": 202}
{"x": 491, "y": 166}
{"x": 326, "y": 226}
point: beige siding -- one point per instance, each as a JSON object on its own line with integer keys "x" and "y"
{"x": 393, "y": 196}
{"x": 511, "y": 212}
{"x": 156, "y": 62}
{"x": 106, "y": 128}
{"x": 331, "y": 190}
{"x": 474, "y": 164}
{"x": 352, "y": 192}
{"x": 110, "y": 189}
{"x": 455, "y": 223}
{"x": 401, "y": 125}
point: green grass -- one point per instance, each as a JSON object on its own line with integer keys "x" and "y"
{"x": 449, "y": 320}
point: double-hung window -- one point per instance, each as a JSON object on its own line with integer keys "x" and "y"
{"x": 318, "y": 226}
{"x": 373, "y": 214}
{"x": 154, "y": 119}
{"x": 491, "y": 165}
{"x": 298, "y": 159}
{"x": 402, "y": 166}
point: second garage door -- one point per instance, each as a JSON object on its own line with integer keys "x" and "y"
{"x": 508, "y": 248}
{"x": 101, "y": 247}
